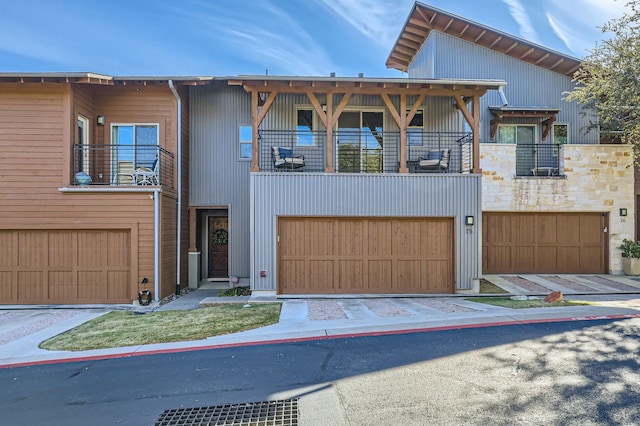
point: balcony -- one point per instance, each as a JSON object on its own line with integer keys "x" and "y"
{"x": 365, "y": 151}
{"x": 541, "y": 160}
{"x": 122, "y": 165}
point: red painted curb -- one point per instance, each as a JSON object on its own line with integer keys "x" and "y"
{"x": 313, "y": 338}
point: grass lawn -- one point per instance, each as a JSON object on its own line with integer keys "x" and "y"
{"x": 126, "y": 328}
{"x": 506, "y": 302}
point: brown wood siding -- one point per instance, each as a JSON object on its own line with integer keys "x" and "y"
{"x": 86, "y": 266}
{"x": 34, "y": 141}
{"x": 528, "y": 243}
{"x": 365, "y": 255}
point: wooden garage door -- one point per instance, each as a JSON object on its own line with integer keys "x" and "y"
{"x": 365, "y": 255}
{"x": 534, "y": 243}
{"x": 53, "y": 267}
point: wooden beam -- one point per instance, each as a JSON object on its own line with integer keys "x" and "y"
{"x": 515, "y": 43}
{"x": 545, "y": 56}
{"x": 329, "y": 167}
{"x": 403, "y": 134}
{"x": 496, "y": 41}
{"x": 558, "y": 62}
{"x": 267, "y": 104}
{"x": 465, "y": 111}
{"x": 343, "y": 103}
{"x": 392, "y": 108}
{"x": 321, "y": 113}
{"x": 482, "y": 33}
{"x": 254, "y": 132}
{"x": 414, "y": 109}
{"x": 476, "y": 135}
{"x": 464, "y": 30}
{"x": 527, "y": 53}
{"x": 546, "y": 127}
{"x": 446, "y": 27}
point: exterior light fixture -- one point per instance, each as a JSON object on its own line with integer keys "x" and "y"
{"x": 468, "y": 220}
{"x": 101, "y": 120}
{"x": 623, "y": 212}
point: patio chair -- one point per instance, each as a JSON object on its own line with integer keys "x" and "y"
{"x": 145, "y": 175}
{"x": 437, "y": 161}
{"x": 283, "y": 159}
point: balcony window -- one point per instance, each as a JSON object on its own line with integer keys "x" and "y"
{"x": 415, "y": 129}
{"x": 304, "y": 127}
{"x": 137, "y": 146}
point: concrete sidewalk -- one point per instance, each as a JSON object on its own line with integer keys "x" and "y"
{"x": 22, "y": 330}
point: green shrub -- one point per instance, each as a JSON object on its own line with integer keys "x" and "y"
{"x": 630, "y": 249}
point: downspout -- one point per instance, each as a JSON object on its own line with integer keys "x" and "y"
{"x": 503, "y": 97}
{"x": 179, "y": 168}
{"x": 156, "y": 244}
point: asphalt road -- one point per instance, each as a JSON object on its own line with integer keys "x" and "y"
{"x": 582, "y": 373}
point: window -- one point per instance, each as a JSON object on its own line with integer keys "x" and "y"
{"x": 415, "y": 129}
{"x": 560, "y": 136}
{"x": 304, "y": 127}
{"x": 245, "y": 138}
{"x": 135, "y": 145}
{"x": 516, "y": 134}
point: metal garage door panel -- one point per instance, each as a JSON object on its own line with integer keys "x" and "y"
{"x": 365, "y": 255}
{"x": 558, "y": 243}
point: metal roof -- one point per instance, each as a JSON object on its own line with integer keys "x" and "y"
{"x": 424, "y": 18}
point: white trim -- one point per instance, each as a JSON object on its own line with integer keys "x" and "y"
{"x": 85, "y": 141}
{"x": 240, "y": 142}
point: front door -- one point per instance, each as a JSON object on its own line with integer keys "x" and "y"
{"x": 218, "y": 247}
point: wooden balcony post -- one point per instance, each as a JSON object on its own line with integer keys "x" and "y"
{"x": 476, "y": 134}
{"x": 329, "y": 167}
{"x": 254, "y": 131}
{"x": 403, "y": 134}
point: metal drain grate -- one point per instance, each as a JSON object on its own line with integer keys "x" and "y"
{"x": 266, "y": 413}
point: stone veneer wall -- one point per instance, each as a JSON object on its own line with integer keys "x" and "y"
{"x": 599, "y": 178}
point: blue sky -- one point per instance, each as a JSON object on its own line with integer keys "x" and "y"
{"x": 285, "y": 37}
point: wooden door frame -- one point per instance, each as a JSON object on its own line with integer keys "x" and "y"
{"x": 202, "y": 215}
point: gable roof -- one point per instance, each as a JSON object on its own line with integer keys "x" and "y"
{"x": 424, "y": 18}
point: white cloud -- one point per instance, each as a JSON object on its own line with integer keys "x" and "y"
{"x": 520, "y": 15}
{"x": 378, "y": 20}
{"x": 264, "y": 35}
{"x": 580, "y": 32}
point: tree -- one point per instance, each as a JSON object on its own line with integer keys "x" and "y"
{"x": 608, "y": 81}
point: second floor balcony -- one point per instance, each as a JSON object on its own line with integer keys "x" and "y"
{"x": 366, "y": 151}
{"x": 122, "y": 165}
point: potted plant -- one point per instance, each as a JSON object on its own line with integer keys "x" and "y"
{"x": 630, "y": 257}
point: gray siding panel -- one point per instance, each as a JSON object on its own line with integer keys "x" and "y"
{"x": 392, "y": 195}
{"x": 218, "y": 177}
{"x": 445, "y": 56}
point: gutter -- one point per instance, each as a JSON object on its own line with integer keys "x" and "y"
{"x": 156, "y": 244}
{"x": 179, "y": 168}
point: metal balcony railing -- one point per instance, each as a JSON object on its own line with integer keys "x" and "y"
{"x": 537, "y": 159}
{"x": 307, "y": 144}
{"x": 119, "y": 165}
{"x": 453, "y": 150}
{"x": 366, "y": 151}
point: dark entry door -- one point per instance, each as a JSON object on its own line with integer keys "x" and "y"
{"x": 218, "y": 247}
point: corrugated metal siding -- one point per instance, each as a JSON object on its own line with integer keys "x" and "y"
{"x": 527, "y": 85}
{"x": 218, "y": 177}
{"x": 336, "y": 195}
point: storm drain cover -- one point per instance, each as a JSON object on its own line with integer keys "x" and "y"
{"x": 266, "y": 413}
